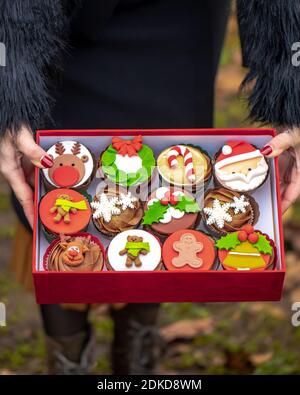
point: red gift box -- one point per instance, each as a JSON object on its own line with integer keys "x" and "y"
{"x": 163, "y": 286}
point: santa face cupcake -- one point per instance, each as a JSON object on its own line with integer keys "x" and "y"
{"x": 115, "y": 211}
{"x": 247, "y": 249}
{"x": 79, "y": 253}
{"x": 189, "y": 250}
{"x": 73, "y": 166}
{"x": 134, "y": 250}
{"x": 128, "y": 162}
{"x": 168, "y": 210}
{"x": 240, "y": 166}
{"x": 228, "y": 211}
{"x": 184, "y": 166}
{"x": 64, "y": 211}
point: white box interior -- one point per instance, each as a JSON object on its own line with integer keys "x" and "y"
{"x": 265, "y": 195}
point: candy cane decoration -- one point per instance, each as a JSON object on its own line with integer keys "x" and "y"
{"x": 188, "y": 160}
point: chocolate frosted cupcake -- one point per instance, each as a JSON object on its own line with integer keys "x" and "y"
{"x": 228, "y": 211}
{"x": 79, "y": 253}
{"x": 116, "y": 210}
{"x": 184, "y": 166}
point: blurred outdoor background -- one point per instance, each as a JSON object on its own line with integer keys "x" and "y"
{"x": 224, "y": 338}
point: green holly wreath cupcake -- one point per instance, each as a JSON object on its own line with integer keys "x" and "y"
{"x": 128, "y": 162}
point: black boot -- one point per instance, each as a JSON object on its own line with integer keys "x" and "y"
{"x": 137, "y": 345}
{"x": 71, "y": 354}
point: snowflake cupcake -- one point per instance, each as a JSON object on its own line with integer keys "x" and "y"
{"x": 116, "y": 210}
{"x": 128, "y": 162}
{"x": 168, "y": 210}
{"x": 184, "y": 166}
{"x": 228, "y": 211}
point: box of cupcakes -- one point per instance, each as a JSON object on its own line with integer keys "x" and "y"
{"x": 157, "y": 216}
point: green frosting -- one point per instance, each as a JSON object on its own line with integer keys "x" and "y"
{"x": 128, "y": 179}
{"x": 231, "y": 240}
{"x": 228, "y": 242}
{"x": 134, "y": 248}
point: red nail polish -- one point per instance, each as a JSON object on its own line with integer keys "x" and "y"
{"x": 267, "y": 150}
{"x": 46, "y": 161}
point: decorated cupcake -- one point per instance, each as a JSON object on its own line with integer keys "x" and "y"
{"x": 168, "y": 210}
{"x": 128, "y": 162}
{"x": 247, "y": 249}
{"x": 189, "y": 250}
{"x": 240, "y": 166}
{"x": 134, "y": 250}
{"x": 64, "y": 211}
{"x": 184, "y": 166}
{"x": 115, "y": 211}
{"x": 78, "y": 253}
{"x": 228, "y": 211}
{"x": 73, "y": 166}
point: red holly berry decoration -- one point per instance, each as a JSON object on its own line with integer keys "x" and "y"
{"x": 173, "y": 199}
{"x": 248, "y": 229}
{"x": 242, "y": 235}
{"x": 164, "y": 201}
{"x": 253, "y": 238}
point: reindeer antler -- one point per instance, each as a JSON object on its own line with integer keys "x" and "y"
{"x": 76, "y": 148}
{"x": 59, "y": 148}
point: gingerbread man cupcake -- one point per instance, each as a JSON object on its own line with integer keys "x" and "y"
{"x": 189, "y": 250}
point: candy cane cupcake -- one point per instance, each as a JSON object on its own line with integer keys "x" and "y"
{"x": 184, "y": 166}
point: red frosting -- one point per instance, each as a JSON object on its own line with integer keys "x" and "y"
{"x": 207, "y": 252}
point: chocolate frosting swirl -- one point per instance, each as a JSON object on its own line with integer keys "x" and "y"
{"x": 127, "y": 219}
{"x": 224, "y": 195}
{"x": 93, "y": 258}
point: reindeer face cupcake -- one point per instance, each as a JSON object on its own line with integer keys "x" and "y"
{"x": 73, "y": 166}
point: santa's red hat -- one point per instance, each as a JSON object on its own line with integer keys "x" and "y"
{"x": 236, "y": 151}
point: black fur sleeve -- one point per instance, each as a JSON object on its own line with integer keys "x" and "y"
{"x": 33, "y": 32}
{"x": 268, "y": 30}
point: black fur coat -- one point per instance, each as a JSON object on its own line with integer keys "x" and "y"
{"x": 35, "y": 33}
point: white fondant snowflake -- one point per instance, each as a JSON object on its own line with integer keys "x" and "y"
{"x": 239, "y": 204}
{"x": 106, "y": 207}
{"x": 126, "y": 201}
{"x": 218, "y": 214}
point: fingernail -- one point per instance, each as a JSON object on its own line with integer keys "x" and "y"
{"x": 46, "y": 161}
{"x": 267, "y": 150}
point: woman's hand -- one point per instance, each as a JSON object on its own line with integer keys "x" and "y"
{"x": 286, "y": 145}
{"x": 17, "y": 151}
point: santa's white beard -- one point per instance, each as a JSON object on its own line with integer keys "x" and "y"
{"x": 241, "y": 182}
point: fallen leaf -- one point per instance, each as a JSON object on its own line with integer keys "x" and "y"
{"x": 187, "y": 329}
{"x": 258, "y": 359}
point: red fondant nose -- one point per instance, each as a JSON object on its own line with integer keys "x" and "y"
{"x": 65, "y": 176}
{"x": 72, "y": 252}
